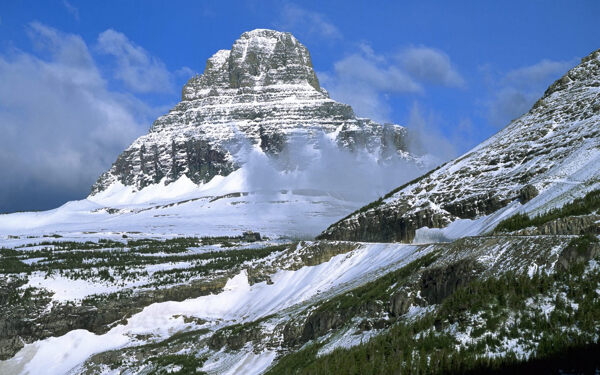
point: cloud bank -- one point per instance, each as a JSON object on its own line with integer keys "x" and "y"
{"x": 430, "y": 65}
{"x": 427, "y": 137}
{"x": 307, "y": 23}
{"x": 365, "y": 79}
{"x": 321, "y": 165}
{"x": 61, "y": 126}
{"x": 139, "y": 71}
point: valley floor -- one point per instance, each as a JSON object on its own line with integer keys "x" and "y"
{"x": 224, "y": 305}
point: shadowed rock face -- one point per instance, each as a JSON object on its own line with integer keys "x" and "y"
{"x": 572, "y": 225}
{"x": 572, "y": 255}
{"x": 376, "y": 226}
{"x": 440, "y": 282}
{"x": 262, "y": 92}
{"x": 553, "y": 146}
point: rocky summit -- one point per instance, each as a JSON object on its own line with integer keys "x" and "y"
{"x": 261, "y": 92}
{"x": 542, "y": 159}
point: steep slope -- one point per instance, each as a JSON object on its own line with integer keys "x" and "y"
{"x": 475, "y": 301}
{"x": 261, "y": 92}
{"x": 542, "y": 159}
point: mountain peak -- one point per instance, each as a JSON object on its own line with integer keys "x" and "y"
{"x": 262, "y": 92}
{"x": 265, "y": 33}
{"x": 258, "y": 59}
{"x": 584, "y": 75}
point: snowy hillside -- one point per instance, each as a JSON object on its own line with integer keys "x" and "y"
{"x": 223, "y": 208}
{"x": 543, "y": 159}
{"x": 257, "y": 197}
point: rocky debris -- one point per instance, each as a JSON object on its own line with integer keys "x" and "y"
{"x": 370, "y": 324}
{"x": 529, "y": 157}
{"x": 9, "y": 346}
{"x": 146, "y": 359}
{"x": 314, "y": 253}
{"x": 262, "y": 92}
{"x": 320, "y": 323}
{"x": 527, "y": 193}
{"x": 499, "y": 253}
{"x": 400, "y": 303}
{"x": 572, "y": 225}
{"x": 19, "y": 308}
{"x": 383, "y": 226}
{"x": 298, "y": 256}
{"x": 259, "y": 274}
{"x": 250, "y": 236}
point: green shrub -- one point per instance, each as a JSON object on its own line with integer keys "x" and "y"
{"x": 580, "y": 206}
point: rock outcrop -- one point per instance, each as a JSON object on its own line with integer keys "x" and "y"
{"x": 571, "y": 225}
{"x": 577, "y": 254}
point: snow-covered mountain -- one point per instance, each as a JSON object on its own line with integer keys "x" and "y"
{"x": 261, "y": 92}
{"x": 255, "y": 144}
{"x": 539, "y": 161}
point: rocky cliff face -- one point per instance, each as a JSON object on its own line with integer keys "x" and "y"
{"x": 262, "y": 92}
{"x": 541, "y": 158}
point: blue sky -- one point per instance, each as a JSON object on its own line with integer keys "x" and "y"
{"x": 80, "y": 80}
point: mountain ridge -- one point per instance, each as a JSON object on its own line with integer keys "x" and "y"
{"x": 526, "y": 158}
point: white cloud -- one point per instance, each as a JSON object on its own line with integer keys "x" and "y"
{"x": 369, "y": 53}
{"x": 306, "y": 22}
{"x": 509, "y": 103}
{"x": 426, "y": 135}
{"x": 382, "y": 77}
{"x": 517, "y": 90}
{"x": 538, "y": 74}
{"x": 364, "y": 79}
{"x": 185, "y": 72}
{"x": 67, "y": 49}
{"x": 430, "y": 65}
{"x": 135, "y": 67}
{"x": 71, "y": 9}
{"x": 61, "y": 126}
